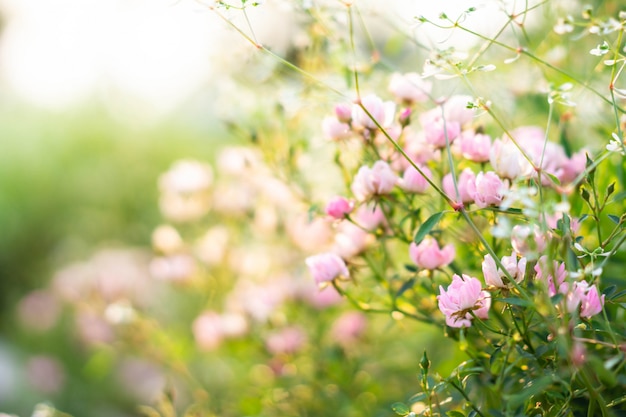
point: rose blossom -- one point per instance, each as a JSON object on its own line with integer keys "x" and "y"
{"x": 325, "y": 267}
{"x": 380, "y": 179}
{"x": 462, "y": 296}
{"x": 428, "y": 255}
{"x": 490, "y": 189}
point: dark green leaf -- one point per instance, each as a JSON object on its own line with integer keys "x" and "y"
{"x": 615, "y": 219}
{"x": 407, "y": 285}
{"x": 427, "y": 226}
{"x": 584, "y": 194}
{"x": 410, "y": 268}
{"x": 608, "y": 291}
{"x": 556, "y": 298}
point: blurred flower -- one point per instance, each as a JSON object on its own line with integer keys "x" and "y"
{"x": 93, "y": 329}
{"x": 409, "y": 87}
{"x": 45, "y": 374}
{"x": 349, "y": 327}
{"x": 286, "y": 341}
{"x": 140, "y": 378}
{"x": 428, "y": 255}
{"x": 239, "y": 161}
{"x": 338, "y": 207}
{"x": 466, "y": 185}
{"x": 166, "y": 239}
{"x": 350, "y": 240}
{"x": 505, "y": 158}
{"x": 310, "y": 235}
{"x": 463, "y": 295}
{"x": 321, "y": 297}
{"x": 212, "y": 246}
{"x": 382, "y": 112}
{"x": 207, "y": 330}
{"x": 343, "y": 112}
{"x": 39, "y": 310}
{"x": 175, "y": 268}
{"x": 475, "y": 146}
{"x": 333, "y": 129}
{"x": 325, "y": 267}
{"x": 438, "y": 131}
{"x": 455, "y": 110}
{"x": 490, "y": 189}
{"x": 184, "y": 190}
{"x": 528, "y": 240}
{"x": 369, "y": 216}
{"x": 412, "y": 181}
{"x": 553, "y": 275}
{"x": 379, "y": 179}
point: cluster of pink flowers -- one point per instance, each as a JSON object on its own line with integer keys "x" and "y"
{"x": 514, "y": 158}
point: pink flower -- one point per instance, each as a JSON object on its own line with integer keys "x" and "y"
{"x": 286, "y": 341}
{"x": 505, "y": 158}
{"x": 572, "y": 167}
{"x": 412, "y": 181}
{"x": 369, "y": 216}
{"x": 349, "y": 327}
{"x": 207, "y": 330}
{"x": 528, "y": 240}
{"x": 343, "y": 112}
{"x": 338, "y": 207}
{"x": 466, "y": 185}
{"x": 379, "y": 179}
{"x": 462, "y": 296}
{"x": 351, "y": 240}
{"x": 493, "y": 275}
{"x": 584, "y": 298}
{"x": 553, "y": 275}
{"x": 334, "y": 129}
{"x": 436, "y": 130}
{"x": 490, "y": 189}
{"x": 428, "y": 255}
{"x": 325, "y": 267}
{"x": 382, "y": 112}
{"x": 409, "y": 87}
{"x": 455, "y": 110}
{"x": 475, "y": 146}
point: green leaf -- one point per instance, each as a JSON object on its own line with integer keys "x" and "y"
{"x": 407, "y": 285}
{"x": 400, "y": 409}
{"x": 419, "y": 397}
{"x": 584, "y": 194}
{"x": 615, "y": 219}
{"x": 427, "y": 226}
{"x": 455, "y": 414}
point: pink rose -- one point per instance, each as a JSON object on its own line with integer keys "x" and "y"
{"x": 428, "y": 255}
{"x": 325, "y": 267}
{"x": 462, "y": 296}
